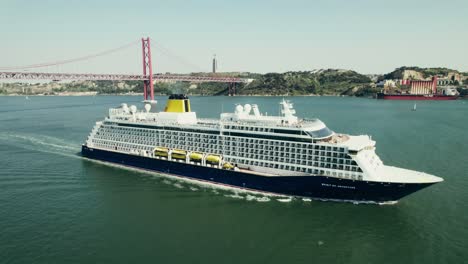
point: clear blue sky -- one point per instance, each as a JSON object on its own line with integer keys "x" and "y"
{"x": 369, "y": 36}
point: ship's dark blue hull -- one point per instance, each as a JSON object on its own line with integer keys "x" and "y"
{"x": 317, "y": 187}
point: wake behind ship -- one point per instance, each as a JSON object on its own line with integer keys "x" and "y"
{"x": 245, "y": 149}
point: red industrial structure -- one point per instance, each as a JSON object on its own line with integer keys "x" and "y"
{"x": 424, "y": 87}
{"x": 420, "y": 90}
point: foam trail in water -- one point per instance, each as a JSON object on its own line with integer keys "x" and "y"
{"x": 250, "y": 197}
{"x": 212, "y": 187}
{"x": 235, "y": 195}
{"x": 285, "y": 200}
{"x": 263, "y": 199}
{"x": 42, "y": 143}
{"x": 42, "y": 140}
{"x": 178, "y": 185}
{"x": 167, "y": 181}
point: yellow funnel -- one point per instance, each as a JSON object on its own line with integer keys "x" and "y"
{"x": 178, "y": 103}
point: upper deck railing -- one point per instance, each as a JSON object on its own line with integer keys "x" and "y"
{"x": 152, "y": 118}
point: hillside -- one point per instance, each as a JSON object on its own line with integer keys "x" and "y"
{"x": 54, "y": 88}
{"x": 319, "y": 82}
{"x": 418, "y": 73}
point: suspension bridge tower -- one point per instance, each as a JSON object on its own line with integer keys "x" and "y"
{"x": 148, "y": 85}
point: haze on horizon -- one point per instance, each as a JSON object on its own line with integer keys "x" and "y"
{"x": 368, "y": 36}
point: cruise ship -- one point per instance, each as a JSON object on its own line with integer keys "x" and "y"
{"x": 245, "y": 149}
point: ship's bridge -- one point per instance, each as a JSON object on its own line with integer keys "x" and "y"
{"x": 321, "y": 133}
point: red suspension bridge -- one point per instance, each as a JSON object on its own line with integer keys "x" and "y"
{"x": 148, "y": 78}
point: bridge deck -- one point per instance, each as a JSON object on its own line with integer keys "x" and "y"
{"x": 116, "y": 77}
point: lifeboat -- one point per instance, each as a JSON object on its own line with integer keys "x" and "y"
{"x": 178, "y": 154}
{"x": 160, "y": 152}
{"x": 228, "y": 166}
{"x": 213, "y": 159}
{"x": 196, "y": 156}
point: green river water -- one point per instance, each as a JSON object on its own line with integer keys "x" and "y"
{"x": 56, "y": 207}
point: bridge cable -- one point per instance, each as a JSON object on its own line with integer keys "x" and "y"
{"x": 62, "y": 62}
{"x": 159, "y": 47}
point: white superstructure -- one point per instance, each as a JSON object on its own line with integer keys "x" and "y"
{"x": 282, "y": 145}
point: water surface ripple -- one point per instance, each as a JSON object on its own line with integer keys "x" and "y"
{"x": 56, "y": 207}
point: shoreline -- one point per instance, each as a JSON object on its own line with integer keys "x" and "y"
{"x": 194, "y": 95}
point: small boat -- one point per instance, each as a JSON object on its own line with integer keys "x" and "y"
{"x": 160, "y": 152}
{"x": 195, "y": 156}
{"x": 213, "y": 159}
{"x": 228, "y": 166}
{"x": 414, "y": 107}
{"x": 178, "y": 154}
